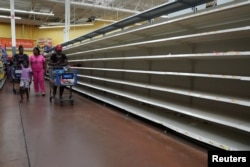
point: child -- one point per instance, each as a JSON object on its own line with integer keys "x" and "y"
{"x": 26, "y": 77}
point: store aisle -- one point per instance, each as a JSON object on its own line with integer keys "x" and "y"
{"x": 84, "y": 135}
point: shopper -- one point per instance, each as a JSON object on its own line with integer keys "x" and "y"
{"x": 26, "y": 78}
{"x": 58, "y": 60}
{"x": 38, "y": 66}
{"x": 20, "y": 57}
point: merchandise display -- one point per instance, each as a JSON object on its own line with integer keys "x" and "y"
{"x": 2, "y": 72}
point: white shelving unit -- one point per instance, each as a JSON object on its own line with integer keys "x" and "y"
{"x": 190, "y": 73}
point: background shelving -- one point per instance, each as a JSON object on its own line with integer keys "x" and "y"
{"x": 3, "y": 77}
{"x": 189, "y": 73}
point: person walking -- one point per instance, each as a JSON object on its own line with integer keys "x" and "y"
{"x": 38, "y": 66}
{"x": 20, "y": 57}
{"x": 26, "y": 78}
{"x": 58, "y": 60}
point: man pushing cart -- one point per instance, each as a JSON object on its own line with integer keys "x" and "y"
{"x": 18, "y": 60}
{"x": 61, "y": 76}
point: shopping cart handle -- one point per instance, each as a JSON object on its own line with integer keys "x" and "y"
{"x": 59, "y": 67}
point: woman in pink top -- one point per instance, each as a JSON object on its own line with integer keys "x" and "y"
{"x": 38, "y": 66}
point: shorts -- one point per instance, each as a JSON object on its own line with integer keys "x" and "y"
{"x": 24, "y": 83}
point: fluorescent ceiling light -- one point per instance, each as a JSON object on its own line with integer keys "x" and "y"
{"x": 164, "y": 16}
{"x": 28, "y": 12}
{"x": 63, "y": 26}
{"x": 8, "y": 17}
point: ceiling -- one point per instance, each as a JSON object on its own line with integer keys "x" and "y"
{"x": 81, "y": 11}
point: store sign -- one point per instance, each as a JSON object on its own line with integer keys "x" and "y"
{"x": 44, "y": 43}
{"x": 25, "y": 42}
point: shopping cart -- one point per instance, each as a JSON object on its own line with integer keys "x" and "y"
{"x": 62, "y": 76}
{"x": 16, "y": 76}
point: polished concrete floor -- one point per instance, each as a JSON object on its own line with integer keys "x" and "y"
{"x": 43, "y": 134}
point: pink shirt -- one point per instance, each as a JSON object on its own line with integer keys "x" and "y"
{"x": 26, "y": 73}
{"x": 37, "y": 62}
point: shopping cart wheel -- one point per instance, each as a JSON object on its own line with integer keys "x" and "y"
{"x": 50, "y": 99}
{"x": 14, "y": 91}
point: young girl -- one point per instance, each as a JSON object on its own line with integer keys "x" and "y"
{"x": 26, "y": 77}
